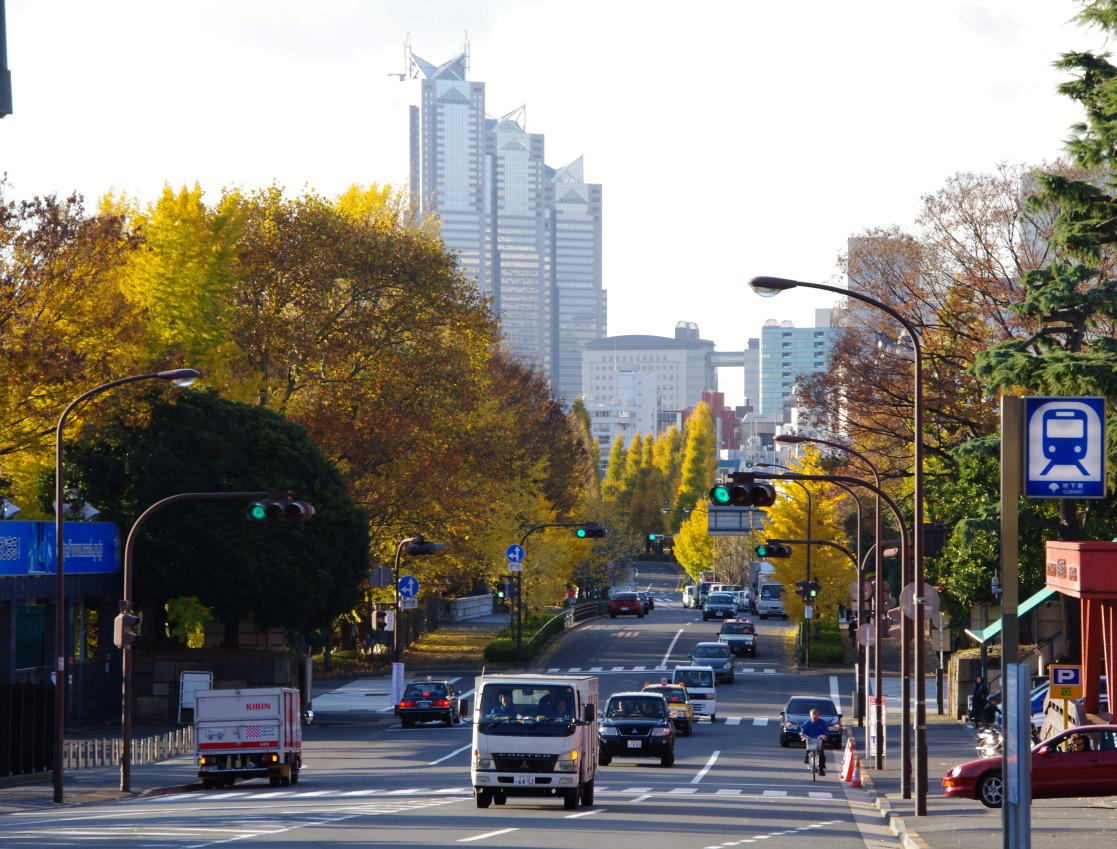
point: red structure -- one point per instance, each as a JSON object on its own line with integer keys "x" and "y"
{"x": 1088, "y": 571}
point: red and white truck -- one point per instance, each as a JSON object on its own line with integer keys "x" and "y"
{"x": 253, "y": 733}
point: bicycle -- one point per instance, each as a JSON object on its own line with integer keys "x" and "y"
{"x": 814, "y": 747}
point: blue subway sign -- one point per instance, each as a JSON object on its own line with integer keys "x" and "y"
{"x": 1064, "y": 447}
{"x": 27, "y": 548}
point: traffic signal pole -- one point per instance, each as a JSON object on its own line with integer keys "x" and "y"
{"x": 126, "y": 607}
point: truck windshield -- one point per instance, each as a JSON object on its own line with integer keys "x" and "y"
{"x": 771, "y": 591}
{"x": 547, "y": 710}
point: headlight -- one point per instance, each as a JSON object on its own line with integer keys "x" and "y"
{"x": 661, "y": 732}
{"x": 608, "y": 731}
{"x": 956, "y": 771}
{"x": 568, "y": 762}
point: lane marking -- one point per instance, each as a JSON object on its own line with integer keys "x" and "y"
{"x": 670, "y": 648}
{"x": 552, "y": 671}
{"x": 637, "y": 790}
{"x": 638, "y": 669}
{"x": 618, "y": 669}
{"x": 760, "y": 720}
{"x": 709, "y": 764}
{"x": 487, "y": 834}
{"x": 820, "y": 795}
{"x": 574, "y": 669}
{"x": 406, "y": 792}
{"x": 774, "y": 793}
{"x": 725, "y": 791}
{"x": 834, "y": 690}
{"x": 733, "y": 720}
{"x": 680, "y": 790}
{"x": 640, "y": 799}
{"x": 447, "y": 757}
{"x": 358, "y": 793}
{"x": 595, "y": 669}
{"x": 585, "y": 814}
{"x": 770, "y": 671}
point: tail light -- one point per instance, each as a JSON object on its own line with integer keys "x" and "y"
{"x": 407, "y": 703}
{"x": 442, "y": 703}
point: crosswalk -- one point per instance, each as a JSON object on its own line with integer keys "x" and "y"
{"x": 384, "y": 794}
{"x": 603, "y": 670}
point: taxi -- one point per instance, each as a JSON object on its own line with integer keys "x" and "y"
{"x": 678, "y": 705}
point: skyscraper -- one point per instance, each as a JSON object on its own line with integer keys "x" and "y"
{"x": 786, "y": 352}
{"x": 530, "y": 235}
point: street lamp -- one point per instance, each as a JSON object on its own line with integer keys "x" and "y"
{"x": 878, "y": 593}
{"x": 769, "y": 286}
{"x": 179, "y": 377}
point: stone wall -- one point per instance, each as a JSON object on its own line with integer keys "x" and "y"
{"x": 155, "y": 683}
{"x": 463, "y": 609}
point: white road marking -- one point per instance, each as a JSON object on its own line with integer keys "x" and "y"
{"x": 406, "y": 792}
{"x": 618, "y": 669}
{"x": 447, "y": 757}
{"x": 640, "y": 799}
{"x": 760, "y": 720}
{"x": 684, "y": 790}
{"x": 670, "y": 649}
{"x": 770, "y": 671}
{"x": 455, "y": 790}
{"x": 637, "y": 790}
{"x": 733, "y": 720}
{"x": 775, "y": 793}
{"x": 575, "y": 669}
{"x": 229, "y": 795}
{"x": 316, "y": 793}
{"x": 585, "y": 814}
{"x": 834, "y": 690}
{"x": 360, "y": 792}
{"x": 748, "y": 670}
{"x": 487, "y": 834}
{"x": 728, "y": 791}
{"x": 817, "y": 795}
{"x": 702, "y": 772}
{"x": 552, "y": 671}
{"x": 595, "y": 669}
{"x": 638, "y": 669}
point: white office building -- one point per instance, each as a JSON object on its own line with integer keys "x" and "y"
{"x": 631, "y": 408}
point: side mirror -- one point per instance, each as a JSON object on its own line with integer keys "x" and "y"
{"x": 463, "y": 707}
{"x": 1043, "y": 750}
{"x": 588, "y": 713}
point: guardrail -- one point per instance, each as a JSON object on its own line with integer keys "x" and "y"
{"x": 106, "y": 751}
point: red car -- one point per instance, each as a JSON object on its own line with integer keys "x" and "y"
{"x": 1077, "y": 762}
{"x": 626, "y": 603}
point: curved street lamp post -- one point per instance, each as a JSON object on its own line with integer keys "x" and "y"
{"x": 180, "y": 377}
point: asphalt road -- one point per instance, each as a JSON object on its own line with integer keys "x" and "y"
{"x": 376, "y": 784}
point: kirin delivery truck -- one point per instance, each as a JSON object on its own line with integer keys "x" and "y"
{"x": 248, "y": 734}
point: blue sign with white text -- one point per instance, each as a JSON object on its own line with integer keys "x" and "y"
{"x": 1064, "y": 447}
{"x": 27, "y": 548}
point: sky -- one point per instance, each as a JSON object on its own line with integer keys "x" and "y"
{"x": 731, "y": 138}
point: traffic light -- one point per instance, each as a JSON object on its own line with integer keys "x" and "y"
{"x": 381, "y": 620}
{"x": 770, "y": 550}
{"x": 802, "y": 589}
{"x": 812, "y": 590}
{"x": 421, "y": 547}
{"x": 280, "y": 510}
{"x": 501, "y": 590}
{"x": 589, "y": 530}
{"x": 743, "y": 495}
{"x": 124, "y": 629}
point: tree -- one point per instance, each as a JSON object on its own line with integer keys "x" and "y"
{"x": 296, "y": 576}
{"x": 613, "y": 484}
{"x": 694, "y": 547}
{"x": 699, "y": 459}
{"x": 668, "y": 458}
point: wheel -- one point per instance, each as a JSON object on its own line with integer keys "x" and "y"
{"x": 210, "y": 785}
{"x": 295, "y": 772}
{"x": 229, "y": 782}
{"x": 604, "y": 758}
{"x": 587, "y": 793}
{"x": 612, "y": 616}
{"x": 449, "y": 719}
{"x": 570, "y": 800}
{"x": 499, "y": 798}
{"x": 668, "y": 759}
{"x": 713, "y": 718}
{"x": 705, "y": 618}
{"x": 688, "y": 730}
{"x": 275, "y": 781}
{"x": 640, "y": 615}
{"x": 991, "y": 790}
{"x": 784, "y": 741}
{"x": 484, "y": 796}
{"x": 457, "y": 718}
{"x": 285, "y": 781}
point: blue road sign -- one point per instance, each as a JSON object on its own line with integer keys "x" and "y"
{"x": 408, "y": 586}
{"x": 1066, "y": 676}
{"x": 1064, "y": 447}
{"x": 515, "y": 554}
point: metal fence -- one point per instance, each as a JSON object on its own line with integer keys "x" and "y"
{"x": 106, "y": 751}
{"x": 26, "y": 728}
{"x": 414, "y": 623}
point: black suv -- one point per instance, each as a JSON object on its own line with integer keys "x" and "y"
{"x": 636, "y": 725}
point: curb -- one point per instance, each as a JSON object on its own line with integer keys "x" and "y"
{"x": 909, "y": 837}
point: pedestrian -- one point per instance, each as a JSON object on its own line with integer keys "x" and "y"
{"x": 977, "y": 706}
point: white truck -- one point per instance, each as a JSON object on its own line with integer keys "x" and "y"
{"x": 253, "y": 733}
{"x": 769, "y": 601}
{"x": 534, "y": 735}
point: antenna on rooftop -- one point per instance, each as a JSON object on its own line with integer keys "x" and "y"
{"x": 410, "y": 70}
{"x": 465, "y": 52}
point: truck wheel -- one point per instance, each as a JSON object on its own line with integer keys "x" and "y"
{"x": 570, "y": 799}
{"x": 295, "y": 773}
{"x": 275, "y": 781}
{"x": 484, "y": 796}
{"x": 587, "y": 793}
{"x": 209, "y": 785}
{"x": 688, "y": 730}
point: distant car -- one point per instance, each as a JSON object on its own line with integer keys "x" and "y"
{"x": 429, "y": 701}
{"x": 636, "y": 725}
{"x": 798, "y": 710}
{"x": 649, "y": 602}
{"x": 716, "y": 656}
{"x": 1058, "y": 769}
{"x": 626, "y": 603}
{"x": 688, "y": 596}
{"x": 739, "y": 635}
{"x": 719, "y": 606}
{"x": 678, "y": 705}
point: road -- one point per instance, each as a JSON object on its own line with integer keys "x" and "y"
{"x": 376, "y": 784}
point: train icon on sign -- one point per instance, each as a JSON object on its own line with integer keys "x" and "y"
{"x": 1064, "y": 439}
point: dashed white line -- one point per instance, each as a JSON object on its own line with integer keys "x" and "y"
{"x": 447, "y": 757}
{"x": 709, "y": 764}
{"x": 770, "y": 671}
{"x": 618, "y": 669}
{"x": 487, "y": 834}
{"x": 733, "y": 720}
{"x": 775, "y": 793}
{"x": 637, "y": 790}
{"x": 584, "y": 814}
{"x": 834, "y": 690}
{"x": 643, "y": 798}
{"x": 728, "y": 791}
{"x": 638, "y": 669}
{"x": 595, "y": 669}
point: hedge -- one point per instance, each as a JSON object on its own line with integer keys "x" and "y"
{"x": 826, "y": 643}
{"x": 503, "y": 648}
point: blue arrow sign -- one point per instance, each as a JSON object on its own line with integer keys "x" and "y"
{"x": 515, "y": 554}
{"x": 1064, "y": 447}
{"x": 408, "y": 586}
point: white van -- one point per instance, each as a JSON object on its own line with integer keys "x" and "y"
{"x": 689, "y": 596}
{"x": 534, "y": 735}
{"x": 701, "y": 689}
{"x": 770, "y": 602}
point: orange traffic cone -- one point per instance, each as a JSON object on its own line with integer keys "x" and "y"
{"x": 847, "y": 761}
{"x": 856, "y": 781}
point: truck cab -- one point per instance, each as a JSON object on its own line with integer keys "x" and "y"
{"x": 701, "y": 688}
{"x": 534, "y": 735}
{"x": 770, "y": 601}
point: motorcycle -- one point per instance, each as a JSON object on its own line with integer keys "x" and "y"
{"x": 990, "y": 742}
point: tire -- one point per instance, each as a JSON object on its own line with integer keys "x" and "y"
{"x": 762, "y": 617}
{"x": 991, "y": 790}
{"x": 275, "y": 781}
{"x": 587, "y": 793}
{"x": 604, "y": 758}
{"x": 295, "y": 773}
{"x": 705, "y": 618}
{"x": 668, "y": 759}
{"x": 688, "y": 730}
{"x": 639, "y": 615}
{"x": 612, "y": 615}
{"x": 784, "y": 741}
{"x": 449, "y": 719}
{"x": 713, "y": 718}
{"x": 570, "y": 800}
{"x": 210, "y": 785}
{"x": 483, "y": 796}
{"x": 285, "y": 781}
{"x": 229, "y": 782}
{"x": 499, "y": 798}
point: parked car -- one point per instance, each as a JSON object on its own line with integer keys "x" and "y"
{"x": 429, "y": 701}
{"x": 636, "y": 725}
{"x": 798, "y": 710}
{"x": 689, "y": 600}
{"x": 649, "y": 602}
{"x": 716, "y": 656}
{"x": 719, "y": 606}
{"x": 1061, "y": 767}
{"x": 626, "y": 603}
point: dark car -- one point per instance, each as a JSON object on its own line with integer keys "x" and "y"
{"x": 649, "y": 602}
{"x": 716, "y": 656}
{"x": 798, "y": 710}
{"x": 636, "y": 725}
{"x": 719, "y": 606}
{"x": 429, "y": 701}
{"x": 739, "y": 635}
{"x": 1077, "y": 762}
{"x": 626, "y": 603}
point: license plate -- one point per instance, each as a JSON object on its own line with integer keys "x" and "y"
{"x": 424, "y": 704}
{"x": 524, "y": 779}
{"x": 635, "y": 744}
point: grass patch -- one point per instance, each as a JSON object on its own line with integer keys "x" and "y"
{"x": 448, "y": 648}
{"x": 826, "y": 642}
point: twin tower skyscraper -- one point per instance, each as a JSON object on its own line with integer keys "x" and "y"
{"x": 529, "y": 234}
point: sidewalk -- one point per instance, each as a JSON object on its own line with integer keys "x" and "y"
{"x": 966, "y": 823}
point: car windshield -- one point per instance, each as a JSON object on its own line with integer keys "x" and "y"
{"x": 691, "y": 678}
{"x": 711, "y": 650}
{"x": 720, "y": 598}
{"x": 674, "y": 695}
{"x": 737, "y": 628}
{"x": 515, "y": 706}
{"x": 634, "y": 707}
{"x": 431, "y": 690}
{"x": 730, "y": 588}
{"x": 825, "y": 707}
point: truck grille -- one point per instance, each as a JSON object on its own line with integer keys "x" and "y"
{"x": 524, "y": 763}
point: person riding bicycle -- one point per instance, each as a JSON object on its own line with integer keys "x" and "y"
{"x": 816, "y": 728}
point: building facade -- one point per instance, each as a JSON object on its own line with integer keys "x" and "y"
{"x": 632, "y": 408}
{"x": 787, "y": 352}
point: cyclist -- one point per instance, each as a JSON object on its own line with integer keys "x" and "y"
{"x": 815, "y": 728}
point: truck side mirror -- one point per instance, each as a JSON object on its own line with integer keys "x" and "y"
{"x": 463, "y": 707}
{"x": 588, "y": 713}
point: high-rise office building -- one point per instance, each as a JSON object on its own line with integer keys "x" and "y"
{"x": 786, "y": 352}
{"x": 530, "y": 235}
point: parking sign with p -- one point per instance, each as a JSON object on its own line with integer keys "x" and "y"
{"x": 1066, "y": 682}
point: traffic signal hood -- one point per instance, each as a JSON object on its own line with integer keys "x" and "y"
{"x": 743, "y": 495}
{"x": 124, "y": 629}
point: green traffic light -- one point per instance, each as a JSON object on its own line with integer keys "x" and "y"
{"x": 258, "y": 512}
{"x": 762, "y": 551}
{"x": 720, "y": 495}
{"x": 580, "y": 533}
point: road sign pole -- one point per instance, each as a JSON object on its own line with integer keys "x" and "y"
{"x": 1014, "y": 811}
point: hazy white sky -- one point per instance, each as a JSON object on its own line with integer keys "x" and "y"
{"x": 732, "y": 138}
